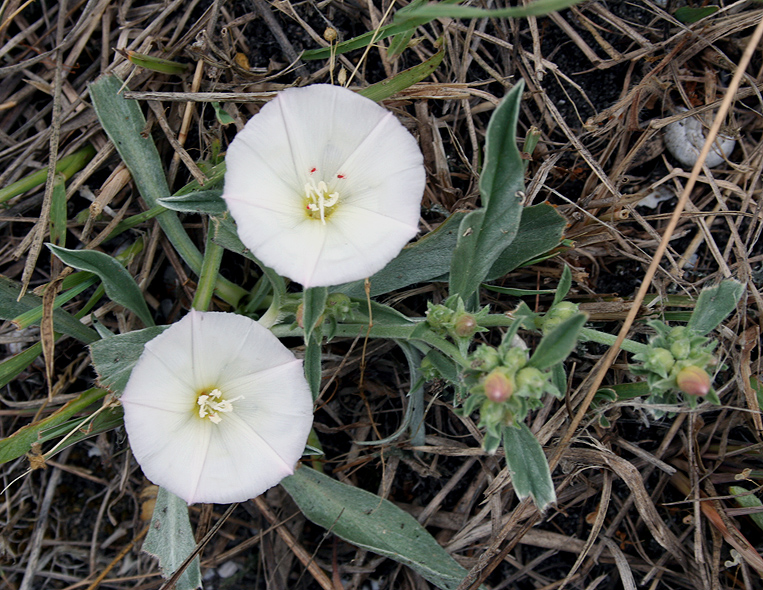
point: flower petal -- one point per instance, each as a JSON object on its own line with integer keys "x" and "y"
{"x": 254, "y": 445}
{"x": 325, "y": 134}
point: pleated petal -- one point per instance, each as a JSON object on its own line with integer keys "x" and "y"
{"x": 254, "y": 446}
{"x": 328, "y": 134}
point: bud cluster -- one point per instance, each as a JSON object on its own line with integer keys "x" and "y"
{"x": 452, "y": 320}
{"x": 677, "y": 359}
{"x": 504, "y": 388}
{"x": 338, "y": 308}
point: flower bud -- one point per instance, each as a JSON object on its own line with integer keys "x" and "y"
{"x": 485, "y": 358}
{"x": 532, "y": 380}
{"x": 338, "y": 305}
{"x": 660, "y": 361}
{"x": 465, "y": 325}
{"x": 693, "y": 381}
{"x": 498, "y": 386}
{"x": 681, "y": 348}
{"x": 515, "y": 358}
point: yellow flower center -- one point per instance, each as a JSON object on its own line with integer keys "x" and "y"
{"x": 211, "y": 404}
{"x": 319, "y": 201}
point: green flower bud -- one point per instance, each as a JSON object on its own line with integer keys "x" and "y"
{"x": 514, "y": 359}
{"x": 486, "y": 358}
{"x": 338, "y": 305}
{"x": 465, "y": 326}
{"x": 531, "y": 380}
{"x": 439, "y": 317}
{"x": 498, "y": 386}
{"x": 693, "y": 381}
{"x": 659, "y": 360}
{"x": 681, "y": 349}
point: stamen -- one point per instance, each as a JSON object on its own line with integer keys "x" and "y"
{"x": 211, "y": 405}
{"x": 319, "y": 198}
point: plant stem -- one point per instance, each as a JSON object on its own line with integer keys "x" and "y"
{"x": 210, "y": 266}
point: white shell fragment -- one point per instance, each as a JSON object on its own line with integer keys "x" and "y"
{"x": 685, "y": 138}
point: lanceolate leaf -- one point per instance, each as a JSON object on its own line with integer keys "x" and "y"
{"x": 372, "y": 523}
{"x": 485, "y": 233}
{"x": 558, "y": 343}
{"x": 208, "y": 202}
{"x": 540, "y": 230}
{"x": 170, "y": 538}
{"x": 114, "y": 357}
{"x": 714, "y": 305}
{"x": 527, "y": 463}
{"x": 119, "y": 284}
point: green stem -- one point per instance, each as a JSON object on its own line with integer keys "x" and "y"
{"x": 210, "y": 266}
{"x": 587, "y": 334}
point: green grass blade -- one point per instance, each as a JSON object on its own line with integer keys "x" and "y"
{"x": 443, "y": 10}
{"x": 63, "y": 321}
{"x": 33, "y": 316}
{"x": 404, "y": 79}
{"x": 20, "y": 442}
{"x": 66, "y": 166}
{"x": 58, "y": 213}
{"x": 12, "y": 366}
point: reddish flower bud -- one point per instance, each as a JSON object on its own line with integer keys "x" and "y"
{"x": 465, "y": 326}
{"x": 693, "y": 381}
{"x": 498, "y": 386}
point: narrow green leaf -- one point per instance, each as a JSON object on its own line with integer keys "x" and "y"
{"x": 556, "y": 346}
{"x": 104, "y": 421}
{"x": 714, "y": 305}
{"x": 66, "y": 166}
{"x": 33, "y": 316}
{"x": 399, "y": 43}
{"x": 540, "y": 230}
{"x": 485, "y": 233}
{"x": 208, "y": 202}
{"x": 63, "y": 321}
{"x": 13, "y": 365}
{"x": 114, "y": 357}
{"x": 518, "y": 292}
{"x": 364, "y": 40}
{"x": 691, "y": 14}
{"x": 58, "y": 213}
{"x": 314, "y": 304}
{"x": 416, "y": 402}
{"x": 527, "y": 463}
{"x": 170, "y": 539}
{"x": 374, "y": 524}
{"x": 745, "y": 499}
{"x": 125, "y": 124}
{"x": 442, "y": 10}
{"x": 157, "y": 64}
{"x": 20, "y": 442}
{"x": 313, "y": 365}
{"x": 404, "y": 79}
{"x": 119, "y": 284}
{"x": 564, "y": 285}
